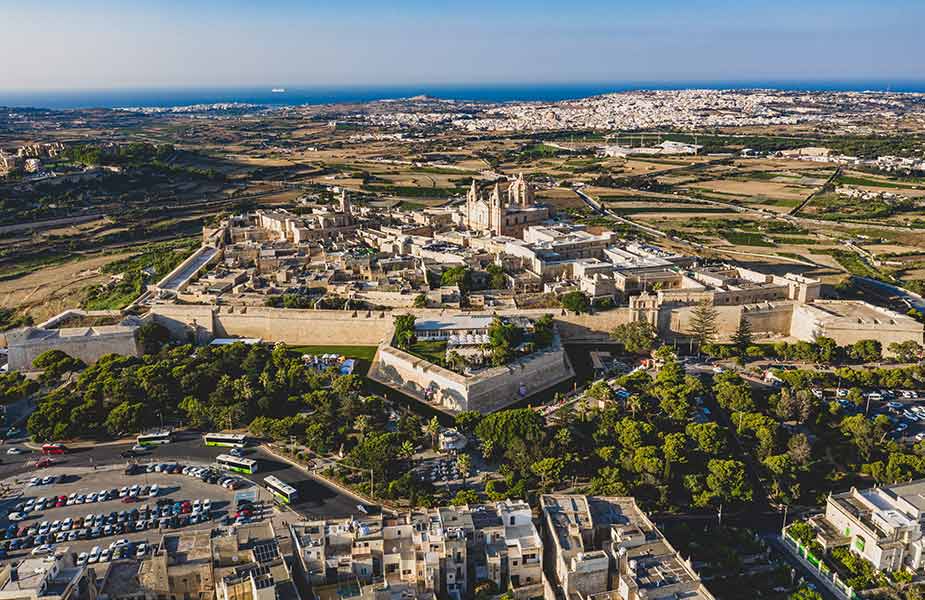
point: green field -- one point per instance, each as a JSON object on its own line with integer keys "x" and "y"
{"x": 359, "y": 352}
{"x": 434, "y": 352}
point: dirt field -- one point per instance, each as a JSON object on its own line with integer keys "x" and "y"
{"x": 49, "y": 291}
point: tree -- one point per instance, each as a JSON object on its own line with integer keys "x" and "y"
{"x": 506, "y": 427}
{"x": 433, "y": 430}
{"x": 459, "y": 276}
{"x": 549, "y": 470}
{"x": 637, "y": 337}
{"x": 496, "y": 280}
{"x": 126, "y": 418}
{"x": 420, "y": 301}
{"x": 734, "y": 394}
{"x": 361, "y": 425}
{"x": 576, "y": 301}
{"x": 55, "y": 364}
{"x": 708, "y": 437}
{"x": 860, "y": 431}
{"x": 404, "y": 331}
{"x": 905, "y": 352}
{"x": 805, "y": 593}
{"x": 727, "y": 482}
{"x": 465, "y": 497}
{"x": 742, "y": 338}
{"x": 467, "y": 421}
{"x": 464, "y": 465}
{"x": 152, "y": 336}
{"x": 601, "y": 392}
{"x": 866, "y": 351}
{"x": 800, "y": 449}
{"x": 826, "y": 350}
{"x": 14, "y": 386}
{"x": 703, "y": 322}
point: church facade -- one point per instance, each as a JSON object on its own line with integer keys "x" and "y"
{"x": 503, "y": 213}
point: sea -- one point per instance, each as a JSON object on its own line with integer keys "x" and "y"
{"x": 301, "y": 95}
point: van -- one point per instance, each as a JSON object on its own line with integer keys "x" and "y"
{"x": 875, "y": 396}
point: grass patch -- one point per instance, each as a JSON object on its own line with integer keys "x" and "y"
{"x": 434, "y": 352}
{"x": 358, "y": 352}
{"x": 743, "y": 238}
{"x": 848, "y": 180}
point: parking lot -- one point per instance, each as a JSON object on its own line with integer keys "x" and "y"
{"x": 904, "y": 408}
{"x": 86, "y": 508}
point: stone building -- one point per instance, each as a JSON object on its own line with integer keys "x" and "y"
{"x": 883, "y": 525}
{"x": 503, "y": 213}
{"x": 606, "y": 548}
{"x": 438, "y": 553}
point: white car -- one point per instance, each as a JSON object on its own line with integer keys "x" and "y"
{"x": 35, "y": 481}
{"x": 920, "y": 436}
{"x": 104, "y": 555}
{"x": 154, "y": 491}
{"x": 18, "y": 516}
{"x": 43, "y": 549}
{"x": 118, "y": 544}
{"x": 123, "y": 492}
{"x": 82, "y": 559}
{"x": 94, "y": 554}
{"x": 66, "y": 524}
{"x": 141, "y": 550}
{"x": 15, "y": 450}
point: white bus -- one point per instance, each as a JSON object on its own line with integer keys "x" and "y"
{"x": 240, "y": 465}
{"x": 283, "y": 491}
{"x": 228, "y": 440}
{"x": 151, "y": 439}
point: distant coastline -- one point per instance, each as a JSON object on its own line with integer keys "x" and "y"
{"x": 299, "y": 95}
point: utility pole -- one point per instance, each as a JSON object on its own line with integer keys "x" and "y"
{"x": 719, "y": 515}
{"x": 784, "y": 525}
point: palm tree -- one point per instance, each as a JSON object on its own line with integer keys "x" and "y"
{"x": 406, "y": 452}
{"x": 361, "y": 424}
{"x": 464, "y": 464}
{"x": 488, "y": 449}
{"x": 634, "y": 403}
{"x": 433, "y": 430}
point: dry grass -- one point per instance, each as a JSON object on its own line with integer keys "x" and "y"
{"x": 46, "y": 292}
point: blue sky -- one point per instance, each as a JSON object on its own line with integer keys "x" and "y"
{"x": 102, "y": 44}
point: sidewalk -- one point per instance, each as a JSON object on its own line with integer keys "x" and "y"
{"x": 83, "y": 443}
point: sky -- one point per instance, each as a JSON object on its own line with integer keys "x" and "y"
{"x": 103, "y": 44}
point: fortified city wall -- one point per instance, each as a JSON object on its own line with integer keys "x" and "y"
{"x": 344, "y": 327}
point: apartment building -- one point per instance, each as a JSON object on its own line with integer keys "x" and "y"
{"x": 44, "y": 578}
{"x": 608, "y": 549}
{"x": 437, "y": 553}
{"x": 249, "y": 563}
{"x": 883, "y": 525}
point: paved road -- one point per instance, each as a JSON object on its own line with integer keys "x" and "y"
{"x": 317, "y": 499}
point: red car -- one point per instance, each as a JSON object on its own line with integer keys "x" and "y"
{"x": 44, "y": 462}
{"x": 129, "y": 500}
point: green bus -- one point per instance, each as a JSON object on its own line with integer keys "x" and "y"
{"x": 227, "y": 440}
{"x": 239, "y": 465}
{"x": 284, "y": 492}
{"x": 155, "y": 439}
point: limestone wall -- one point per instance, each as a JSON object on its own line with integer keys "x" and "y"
{"x": 488, "y": 391}
{"x": 325, "y": 327}
{"x": 88, "y": 348}
{"x": 345, "y": 327}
